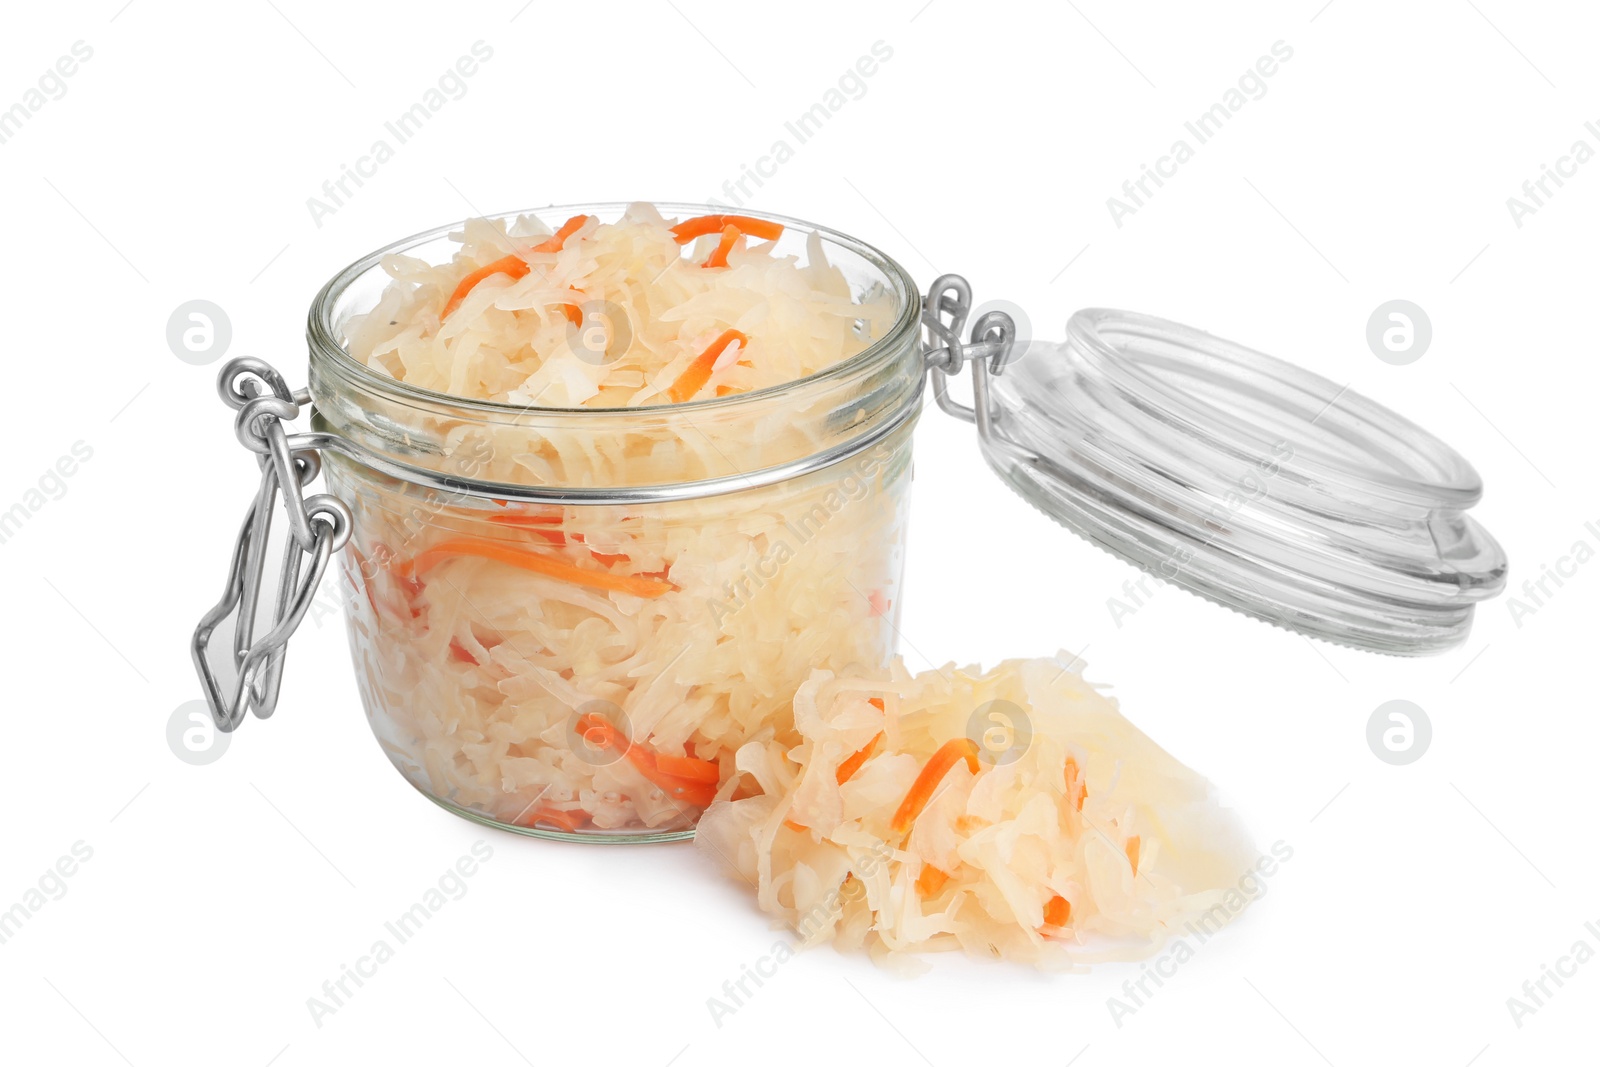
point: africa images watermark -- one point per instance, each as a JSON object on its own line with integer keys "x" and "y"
{"x": 851, "y": 85}
{"x": 737, "y": 992}
{"x": 1247, "y": 489}
{"x": 51, "y": 485}
{"x": 50, "y": 85}
{"x": 1252, "y": 85}
{"x": 796, "y": 532}
{"x": 415, "y": 519}
{"x": 1537, "y": 192}
{"x": 451, "y": 885}
{"x": 1537, "y": 992}
{"x": 1251, "y": 887}
{"x": 451, "y": 85}
{"x": 50, "y": 886}
{"x": 1537, "y": 592}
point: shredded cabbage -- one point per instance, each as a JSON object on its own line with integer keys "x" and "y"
{"x": 611, "y": 319}
{"x": 498, "y": 646}
{"x": 1076, "y": 833}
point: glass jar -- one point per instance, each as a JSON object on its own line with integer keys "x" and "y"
{"x": 564, "y": 621}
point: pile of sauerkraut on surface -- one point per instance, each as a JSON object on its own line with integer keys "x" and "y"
{"x": 1012, "y": 813}
{"x": 591, "y": 669}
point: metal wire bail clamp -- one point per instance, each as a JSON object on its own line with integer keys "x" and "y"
{"x": 990, "y": 346}
{"x": 319, "y": 526}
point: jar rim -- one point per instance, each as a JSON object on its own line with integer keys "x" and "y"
{"x": 322, "y": 339}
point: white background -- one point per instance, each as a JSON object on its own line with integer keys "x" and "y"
{"x": 177, "y": 166}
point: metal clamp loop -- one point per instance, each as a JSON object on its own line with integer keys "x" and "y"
{"x": 255, "y": 417}
{"x": 235, "y": 396}
{"x": 319, "y": 526}
{"x": 989, "y": 347}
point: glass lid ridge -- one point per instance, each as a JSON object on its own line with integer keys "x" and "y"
{"x": 1242, "y": 478}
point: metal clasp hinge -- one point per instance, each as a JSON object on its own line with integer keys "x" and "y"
{"x": 318, "y": 527}
{"x": 989, "y": 348}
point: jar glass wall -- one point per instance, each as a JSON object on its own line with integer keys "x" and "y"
{"x": 567, "y": 621}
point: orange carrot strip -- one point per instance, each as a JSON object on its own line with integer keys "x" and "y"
{"x": 1132, "y": 849}
{"x": 949, "y": 754}
{"x": 511, "y": 265}
{"x": 555, "y": 242}
{"x": 876, "y": 702}
{"x": 536, "y": 523}
{"x": 606, "y": 559}
{"x": 931, "y": 880}
{"x": 598, "y": 731}
{"x": 696, "y": 374}
{"x": 790, "y": 824}
{"x": 849, "y": 767}
{"x": 523, "y": 518}
{"x": 1077, "y": 785}
{"x": 700, "y": 225}
{"x": 537, "y": 529}
{"x": 696, "y": 770}
{"x": 538, "y": 563}
{"x": 719, "y": 254}
{"x": 1057, "y": 911}
{"x": 533, "y": 518}
{"x": 699, "y": 794}
{"x": 573, "y": 312}
{"x": 724, "y": 390}
{"x": 567, "y": 820}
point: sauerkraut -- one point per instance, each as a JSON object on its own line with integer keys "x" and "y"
{"x": 614, "y": 314}
{"x": 592, "y": 669}
{"x": 1013, "y": 813}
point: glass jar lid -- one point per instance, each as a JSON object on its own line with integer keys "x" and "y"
{"x": 1247, "y": 480}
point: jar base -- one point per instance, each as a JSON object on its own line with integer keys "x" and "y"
{"x": 620, "y": 837}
